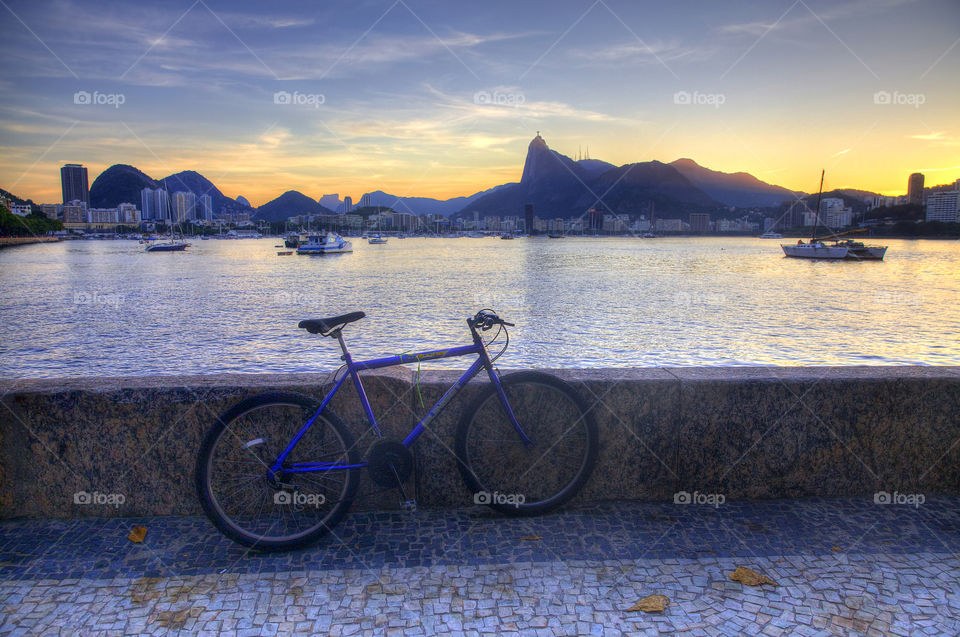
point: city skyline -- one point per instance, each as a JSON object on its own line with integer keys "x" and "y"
{"x": 437, "y": 101}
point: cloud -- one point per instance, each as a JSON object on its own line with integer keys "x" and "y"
{"x": 940, "y": 137}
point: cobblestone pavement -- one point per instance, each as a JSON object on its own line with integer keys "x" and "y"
{"x": 842, "y": 566}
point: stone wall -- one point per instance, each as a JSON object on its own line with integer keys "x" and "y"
{"x": 740, "y": 432}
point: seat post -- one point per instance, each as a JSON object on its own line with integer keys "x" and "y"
{"x": 343, "y": 346}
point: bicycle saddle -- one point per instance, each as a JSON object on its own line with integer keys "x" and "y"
{"x": 324, "y": 325}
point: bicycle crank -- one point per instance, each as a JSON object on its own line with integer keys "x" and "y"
{"x": 389, "y": 463}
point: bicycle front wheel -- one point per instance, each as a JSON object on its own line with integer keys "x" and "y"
{"x": 266, "y": 510}
{"x": 520, "y": 479}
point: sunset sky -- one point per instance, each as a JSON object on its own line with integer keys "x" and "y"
{"x": 441, "y": 99}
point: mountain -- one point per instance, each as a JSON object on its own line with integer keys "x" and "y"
{"x": 289, "y": 204}
{"x": 243, "y": 201}
{"x": 332, "y": 202}
{"x": 424, "y": 205}
{"x": 733, "y": 189}
{"x": 594, "y": 167}
{"x": 119, "y": 184}
{"x": 122, "y": 183}
{"x": 192, "y": 181}
{"x": 558, "y": 186}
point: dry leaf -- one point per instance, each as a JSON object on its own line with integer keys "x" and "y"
{"x": 651, "y": 604}
{"x": 531, "y": 538}
{"x": 750, "y": 578}
{"x": 137, "y": 534}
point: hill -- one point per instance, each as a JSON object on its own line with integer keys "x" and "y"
{"x": 733, "y": 189}
{"x": 120, "y": 183}
{"x": 289, "y": 204}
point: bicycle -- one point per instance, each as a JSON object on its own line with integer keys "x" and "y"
{"x": 278, "y": 471}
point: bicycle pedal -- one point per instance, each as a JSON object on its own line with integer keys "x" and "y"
{"x": 408, "y": 506}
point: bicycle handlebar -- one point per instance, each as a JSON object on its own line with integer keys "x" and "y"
{"x": 485, "y": 319}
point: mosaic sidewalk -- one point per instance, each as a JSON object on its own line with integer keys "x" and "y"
{"x": 842, "y": 566}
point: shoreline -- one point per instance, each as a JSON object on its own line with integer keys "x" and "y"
{"x": 8, "y": 242}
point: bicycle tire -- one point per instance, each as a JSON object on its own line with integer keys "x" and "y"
{"x": 231, "y": 422}
{"x": 485, "y": 463}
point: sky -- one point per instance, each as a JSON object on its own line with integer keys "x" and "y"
{"x": 441, "y": 99}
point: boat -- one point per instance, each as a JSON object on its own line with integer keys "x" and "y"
{"x": 846, "y": 249}
{"x": 283, "y": 253}
{"x": 376, "y": 240}
{"x": 292, "y": 240}
{"x": 330, "y": 243}
{"x": 506, "y": 236}
{"x": 648, "y": 235}
{"x": 771, "y": 235}
{"x": 555, "y": 236}
{"x": 166, "y": 246}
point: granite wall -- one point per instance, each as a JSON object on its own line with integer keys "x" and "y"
{"x": 737, "y": 432}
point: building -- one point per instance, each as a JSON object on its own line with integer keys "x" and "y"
{"x": 106, "y": 216}
{"x": 51, "y": 210}
{"x": 205, "y": 208}
{"x": 347, "y": 204}
{"x": 128, "y": 215}
{"x": 20, "y": 209}
{"x": 75, "y": 212}
{"x": 74, "y": 184}
{"x": 915, "y": 189}
{"x": 154, "y": 204}
{"x": 595, "y": 220}
{"x": 528, "y": 218}
{"x": 882, "y": 202}
{"x": 365, "y": 201}
{"x": 699, "y": 222}
{"x": 944, "y": 206}
{"x": 183, "y": 206}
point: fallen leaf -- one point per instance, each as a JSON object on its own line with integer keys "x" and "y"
{"x": 137, "y": 534}
{"x": 750, "y": 577}
{"x": 531, "y": 538}
{"x": 651, "y": 604}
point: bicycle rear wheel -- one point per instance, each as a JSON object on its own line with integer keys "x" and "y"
{"x": 518, "y": 479}
{"x": 275, "y": 512}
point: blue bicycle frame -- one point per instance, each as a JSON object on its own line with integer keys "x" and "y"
{"x": 353, "y": 371}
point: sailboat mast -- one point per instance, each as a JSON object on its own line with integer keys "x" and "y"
{"x": 816, "y": 214}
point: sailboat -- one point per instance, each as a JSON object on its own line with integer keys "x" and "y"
{"x": 378, "y": 238}
{"x": 172, "y": 245}
{"x": 846, "y": 249}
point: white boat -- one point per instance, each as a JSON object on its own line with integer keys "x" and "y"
{"x": 846, "y": 249}
{"x": 814, "y": 250}
{"x": 376, "y": 240}
{"x": 330, "y": 243}
{"x": 771, "y": 235}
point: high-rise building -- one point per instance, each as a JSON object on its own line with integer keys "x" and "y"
{"x": 528, "y": 218}
{"x": 347, "y": 204}
{"x": 74, "y": 184}
{"x": 154, "y": 204}
{"x": 944, "y": 206}
{"x": 183, "y": 206}
{"x": 699, "y": 222}
{"x": 205, "y": 208}
{"x": 915, "y": 189}
{"x": 148, "y": 205}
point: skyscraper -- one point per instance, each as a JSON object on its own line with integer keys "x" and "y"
{"x": 915, "y": 189}
{"x": 205, "y": 208}
{"x": 184, "y": 206}
{"x": 74, "y": 184}
{"x": 347, "y": 204}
